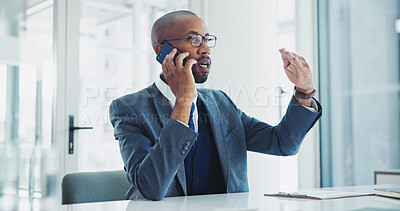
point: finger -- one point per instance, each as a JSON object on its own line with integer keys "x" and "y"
{"x": 293, "y": 60}
{"x": 291, "y": 70}
{"x": 285, "y": 61}
{"x": 289, "y": 57}
{"x": 290, "y": 73}
{"x": 298, "y": 62}
{"x": 165, "y": 69}
{"x": 189, "y": 64}
{"x": 301, "y": 59}
{"x": 284, "y": 57}
{"x": 179, "y": 60}
{"x": 169, "y": 59}
{"x": 170, "y": 55}
{"x": 298, "y": 56}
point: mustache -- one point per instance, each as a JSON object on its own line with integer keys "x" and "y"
{"x": 204, "y": 57}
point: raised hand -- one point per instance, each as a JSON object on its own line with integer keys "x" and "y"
{"x": 298, "y": 71}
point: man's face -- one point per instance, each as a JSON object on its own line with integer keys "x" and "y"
{"x": 187, "y": 25}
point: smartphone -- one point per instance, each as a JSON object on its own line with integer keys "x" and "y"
{"x": 165, "y": 50}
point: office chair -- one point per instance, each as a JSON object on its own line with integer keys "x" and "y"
{"x": 99, "y": 186}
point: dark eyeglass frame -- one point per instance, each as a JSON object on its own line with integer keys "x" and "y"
{"x": 190, "y": 37}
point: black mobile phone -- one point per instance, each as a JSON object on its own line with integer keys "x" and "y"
{"x": 165, "y": 50}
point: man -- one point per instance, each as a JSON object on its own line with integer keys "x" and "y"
{"x": 176, "y": 140}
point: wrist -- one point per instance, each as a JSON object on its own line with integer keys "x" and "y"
{"x": 306, "y": 91}
{"x": 181, "y": 110}
{"x": 304, "y": 94}
{"x": 183, "y": 101}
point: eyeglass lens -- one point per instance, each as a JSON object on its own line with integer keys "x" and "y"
{"x": 197, "y": 40}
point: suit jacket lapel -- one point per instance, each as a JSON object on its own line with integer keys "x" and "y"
{"x": 164, "y": 110}
{"x": 161, "y": 104}
{"x": 216, "y": 122}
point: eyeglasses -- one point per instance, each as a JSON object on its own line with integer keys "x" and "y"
{"x": 197, "y": 40}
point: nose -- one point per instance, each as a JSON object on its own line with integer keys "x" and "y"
{"x": 204, "y": 49}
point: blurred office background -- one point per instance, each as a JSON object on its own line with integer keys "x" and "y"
{"x": 60, "y": 58}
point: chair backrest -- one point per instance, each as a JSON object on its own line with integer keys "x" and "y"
{"x": 99, "y": 186}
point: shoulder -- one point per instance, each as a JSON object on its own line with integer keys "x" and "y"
{"x": 219, "y": 96}
{"x": 213, "y": 93}
{"x": 139, "y": 99}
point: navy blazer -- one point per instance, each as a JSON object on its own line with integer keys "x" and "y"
{"x": 153, "y": 145}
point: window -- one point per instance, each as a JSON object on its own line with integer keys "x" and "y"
{"x": 116, "y": 58}
{"x": 26, "y": 88}
{"x": 359, "y": 89}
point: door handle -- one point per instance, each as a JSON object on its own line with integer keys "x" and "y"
{"x": 72, "y": 128}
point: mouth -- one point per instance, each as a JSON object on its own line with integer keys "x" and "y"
{"x": 201, "y": 69}
{"x": 203, "y": 64}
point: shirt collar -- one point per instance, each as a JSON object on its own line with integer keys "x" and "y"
{"x": 167, "y": 92}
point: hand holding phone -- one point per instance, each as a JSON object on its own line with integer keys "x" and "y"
{"x": 165, "y": 50}
{"x": 180, "y": 80}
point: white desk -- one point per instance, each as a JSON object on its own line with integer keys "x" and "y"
{"x": 244, "y": 201}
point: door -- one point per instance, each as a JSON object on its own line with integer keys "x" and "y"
{"x": 108, "y": 55}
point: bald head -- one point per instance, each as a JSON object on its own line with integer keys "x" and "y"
{"x": 164, "y": 25}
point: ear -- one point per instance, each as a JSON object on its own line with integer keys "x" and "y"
{"x": 158, "y": 47}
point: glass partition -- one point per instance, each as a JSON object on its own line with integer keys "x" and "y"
{"x": 26, "y": 88}
{"x": 115, "y": 58}
{"x": 360, "y": 89}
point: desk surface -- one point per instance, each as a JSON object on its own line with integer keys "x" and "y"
{"x": 246, "y": 201}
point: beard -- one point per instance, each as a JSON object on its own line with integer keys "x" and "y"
{"x": 200, "y": 73}
{"x": 199, "y": 77}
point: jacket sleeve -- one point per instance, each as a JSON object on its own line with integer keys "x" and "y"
{"x": 285, "y": 138}
{"x": 151, "y": 164}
